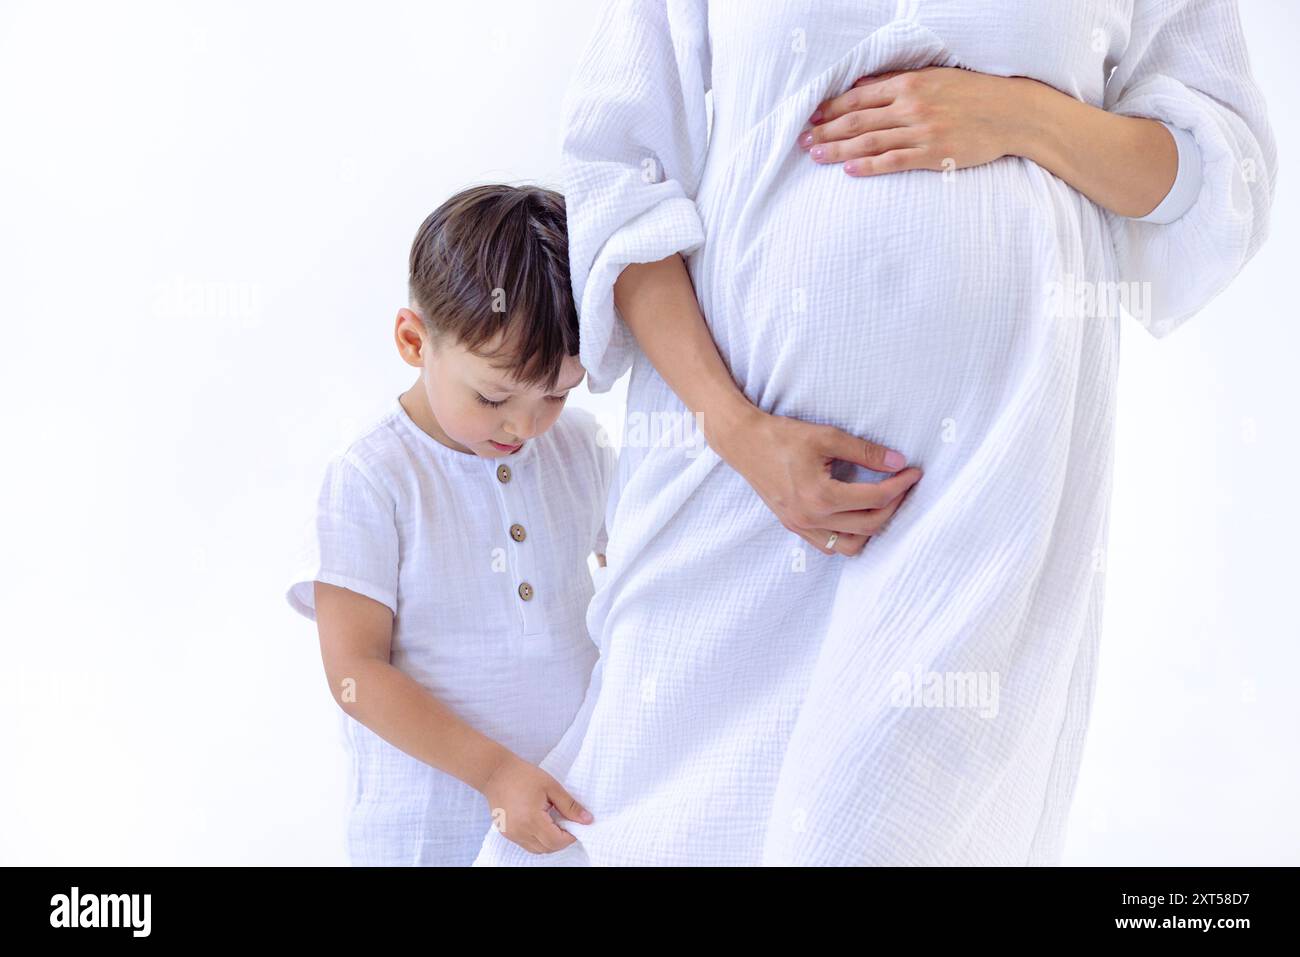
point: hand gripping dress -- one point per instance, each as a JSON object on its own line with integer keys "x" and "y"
{"x": 925, "y": 702}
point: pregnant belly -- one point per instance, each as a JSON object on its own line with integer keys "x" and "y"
{"x": 898, "y": 307}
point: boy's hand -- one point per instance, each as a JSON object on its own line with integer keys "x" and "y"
{"x": 520, "y": 796}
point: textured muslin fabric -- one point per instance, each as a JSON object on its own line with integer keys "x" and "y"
{"x": 1187, "y": 183}
{"x": 926, "y": 702}
{"x": 426, "y": 530}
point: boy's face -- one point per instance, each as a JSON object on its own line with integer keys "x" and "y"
{"x": 480, "y": 408}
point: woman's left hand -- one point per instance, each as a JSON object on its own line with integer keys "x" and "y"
{"x": 939, "y": 118}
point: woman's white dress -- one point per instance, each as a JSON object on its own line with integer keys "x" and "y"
{"x": 925, "y": 702}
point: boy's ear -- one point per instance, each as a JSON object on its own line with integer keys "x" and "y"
{"x": 409, "y": 334}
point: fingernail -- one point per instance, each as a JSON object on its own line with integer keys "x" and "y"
{"x": 806, "y": 139}
{"x": 894, "y": 460}
{"x": 815, "y": 118}
{"x": 586, "y": 817}
{"x": 818, "y": 152}
{"x": 850, "y": 167}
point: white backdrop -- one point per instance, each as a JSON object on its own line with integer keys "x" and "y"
{"x": 205, "y": 213}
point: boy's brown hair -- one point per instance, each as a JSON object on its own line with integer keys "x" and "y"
{"x": 496, "y": 257}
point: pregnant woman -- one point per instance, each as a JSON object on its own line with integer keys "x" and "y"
{"x": 810, "y": 653}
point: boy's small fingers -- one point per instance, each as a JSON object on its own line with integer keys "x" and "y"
{"x": 567, "y": 806}
{"x": 551, "y": 836}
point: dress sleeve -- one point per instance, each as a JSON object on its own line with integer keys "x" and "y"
{"x": 608, "y": 465}
{"x": 351, "y": 542}
{"x": 636, "y": 133}
{"x": 1186, "y": 65}
{"x": 1187, "y": 181}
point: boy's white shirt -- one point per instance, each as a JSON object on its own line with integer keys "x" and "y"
{"x": 426, "y": 530}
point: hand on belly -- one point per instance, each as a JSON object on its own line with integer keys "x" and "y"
{"x": 788, "y": 463}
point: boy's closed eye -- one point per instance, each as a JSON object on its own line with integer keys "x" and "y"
{"x": 498, "y": 403}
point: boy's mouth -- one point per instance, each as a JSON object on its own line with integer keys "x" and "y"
{"x": 505, "y": 448}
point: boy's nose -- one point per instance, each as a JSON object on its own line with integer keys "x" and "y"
{"x": 522, "y": 429}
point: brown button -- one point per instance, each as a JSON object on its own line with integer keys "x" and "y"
{"x": 525, "y": 591}
{"x": 517, "y": 532}
{"x": 503, "y": 473}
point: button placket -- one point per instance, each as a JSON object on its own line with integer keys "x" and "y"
{"x": 512, "y": 495}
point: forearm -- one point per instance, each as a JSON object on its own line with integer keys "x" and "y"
{"x": 658, "y": 304}
{"x": 1125, "y": 163}
{"x": 404, "y": 713}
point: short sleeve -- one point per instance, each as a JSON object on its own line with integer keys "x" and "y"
{"x": 1186, "y": 65}
{"x": 636, "y": 135}
{"x": 351, "y": 542}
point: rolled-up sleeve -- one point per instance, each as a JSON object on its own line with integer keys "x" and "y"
{"x": 1187, "y": 182}
{"x": 1186, "y": 65}
{"x": 351, "y": 542}
{"x": 636, "y": 135}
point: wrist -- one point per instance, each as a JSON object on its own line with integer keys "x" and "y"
{"x": 1031, "y": 125}
{"x": 727, "y": 422}
{"x": 496, "y": 757}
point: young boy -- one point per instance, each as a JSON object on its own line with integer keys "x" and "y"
{"x": 447, "y": 569}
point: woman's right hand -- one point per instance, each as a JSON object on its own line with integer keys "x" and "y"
{"x": 788, "y": 463}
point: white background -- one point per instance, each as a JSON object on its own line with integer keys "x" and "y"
{"x": 205, "y": 214}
